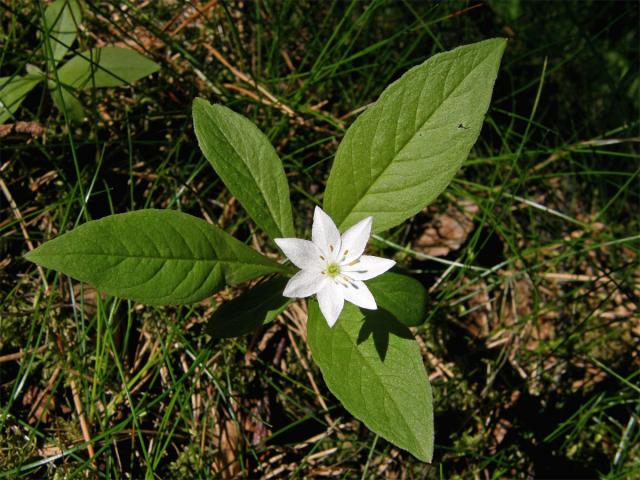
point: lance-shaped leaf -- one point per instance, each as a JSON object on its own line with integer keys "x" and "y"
{"x": 259, "y": 305}
{"x": 247, "y": 163}
{"x": 13, "y": 91}
{"x": 105, "y": 67}
{"x": 373, "y": 365}
{"x": 153, "y": 256}
{"x": 402, "y": 296}
{"x": 403, "y": 151}
{"x": 60, "y": 23}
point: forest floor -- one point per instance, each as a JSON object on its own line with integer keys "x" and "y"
{"x": 530, "y": 257}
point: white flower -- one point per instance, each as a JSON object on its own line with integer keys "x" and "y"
{"x": 332, "y": 266}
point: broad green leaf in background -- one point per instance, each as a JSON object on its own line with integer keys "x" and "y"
{"x": 259, "y": 305}
{"x": 509, "y": 10}
{"x": 373, "y": 365}
{"x": 403, "y": 151}
{"x": 65, "y": 100}
{"x": 247, "y": 163}
{"x": 153, "y": 256}
{"x": 12, "y": 93}
{"x": 109, "y": 66}
{"x": 402, "y": 296}
{"x": 60, "y": 22}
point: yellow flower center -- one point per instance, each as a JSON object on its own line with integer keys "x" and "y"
{"x": 333, "y": 269}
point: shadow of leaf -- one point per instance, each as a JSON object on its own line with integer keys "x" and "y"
{"x": 381, "y": 324}
{"x": 245, "y": 313}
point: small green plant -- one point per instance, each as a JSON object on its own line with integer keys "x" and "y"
{"x": 95, "y": 68}
{"x": 398, "y": 156}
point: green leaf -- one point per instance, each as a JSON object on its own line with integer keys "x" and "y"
{"x": 65, "y": 100}
{"x": 12, "y": 93}
{"x": 509, "y": 10}
{"x": 153, "y": 256}
{"x": 259, "y": 305}
{"x": 60, "y": 22}
{"x": 373, "y": 365}
{"x": 247, "y": 163}
{"x": 402, "y": 296}
{"x": 106, "y": 67}
{"x": 403, "y": 151}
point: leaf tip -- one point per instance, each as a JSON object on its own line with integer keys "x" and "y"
{"x": 32, "y": 255}
{"x": 201, "y": 103}
{"x": 153, "y": 67}
{"x": 424, "y": 453}
{"x": 499, "y": 43}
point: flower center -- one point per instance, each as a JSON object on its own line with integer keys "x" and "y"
{"x": 333, "y": 269}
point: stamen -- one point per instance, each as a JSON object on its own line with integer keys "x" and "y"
{"x": 331, "y": 248}
{"x": 357, "y": 260}
{"x": 349, "y": 281}
{"x": 321, "y": 257}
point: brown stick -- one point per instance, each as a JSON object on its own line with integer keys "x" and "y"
{"x": 18, "y": 355}
{"x": 247, "y": 79}
{"x": 84, "y": 426}
{"x": 43, "y": 398}
{"x": 23, "y": 228}
{"x": 193, "y": 16}
{"x": 315, "y": 388}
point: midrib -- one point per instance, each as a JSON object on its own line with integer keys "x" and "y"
{"x": 384, "y": 169}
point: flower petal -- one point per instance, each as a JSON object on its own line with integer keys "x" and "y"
{"x": 325, "y": 234}
{"x": 357, "y": 293}
{"x": 367, "y": 267}
{"x": 331, "y": 301}
{"x": 304, "y": 283}
{"x": 302, "y": 253}
{"x": 355, "y": 240}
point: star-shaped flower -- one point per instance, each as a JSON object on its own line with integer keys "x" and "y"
{"x": 333, "y": 266}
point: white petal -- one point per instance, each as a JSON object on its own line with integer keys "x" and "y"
{"x": 304, "y": 283}
{"x": 367, "y": 267}
{"x": 331, "y": 302}
{"x": 355, "y": 240}
{"x": 302, "y": 253}
{"x": 357, "y": 293}
{"x": 325, "y": 234}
